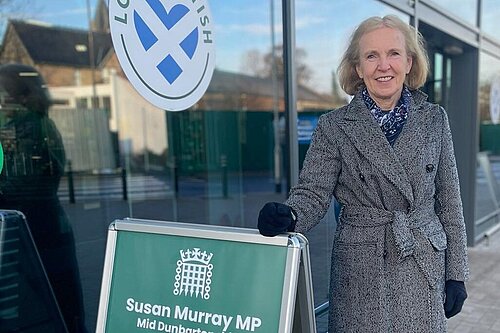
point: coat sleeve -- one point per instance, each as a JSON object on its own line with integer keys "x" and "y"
{"x": 449, "y": 205}
{"x": 312, "y": 196}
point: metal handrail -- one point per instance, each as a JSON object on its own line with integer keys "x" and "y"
{"x": 486, "y": 218}
{"x": 321, "y": 309}
{"x": 492, "y": 230}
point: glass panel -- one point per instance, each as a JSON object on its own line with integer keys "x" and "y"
{"x": 34, "y": 164}
{"x": 438, "y": 84}
{"x": 490, "y": 12}
{"x": 465, "y": 9}
{"x": 438, "y": 77}
{"x": 100, "y": 152}
{"x": 488, "y": 170}
{"x": 223, "y": 150}
{"x": 322, "y": 35}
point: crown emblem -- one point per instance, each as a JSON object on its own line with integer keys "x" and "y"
{"x": 195, "y": 255}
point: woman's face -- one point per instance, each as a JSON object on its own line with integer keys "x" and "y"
{"x": 383, "y": 65}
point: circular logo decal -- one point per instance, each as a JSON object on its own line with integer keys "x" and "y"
{"x": 495, "y": 101}
{"x": 166, "y": 48}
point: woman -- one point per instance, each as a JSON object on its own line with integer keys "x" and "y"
{"x": 399, "y": 257}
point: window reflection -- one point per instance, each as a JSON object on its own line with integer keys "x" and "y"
{"x": 488, "y": 170}
{"x": 214, "y": 163}
{"x": 490, "y": 12}
{"x": 34, "y": 164}
{"x": 464, "y": 9}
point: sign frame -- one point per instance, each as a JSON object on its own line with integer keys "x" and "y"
{"x": 18, "y": 245}
{"x": 297, "y": 305}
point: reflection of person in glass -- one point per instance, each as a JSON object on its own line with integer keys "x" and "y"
{"x": 399, "y": 257}
{"x": 34, "y": 164}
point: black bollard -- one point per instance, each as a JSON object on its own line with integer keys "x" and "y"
{"x": 71, "y": 185}
{"x": 124, "y": 184}
{"x": 176, "y": 180}
{"x": 223, "y": 163}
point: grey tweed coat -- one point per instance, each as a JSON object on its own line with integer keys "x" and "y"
{"x": 401, "y": 233}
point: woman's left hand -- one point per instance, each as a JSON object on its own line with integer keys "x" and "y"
{"x": 455, "y": 297}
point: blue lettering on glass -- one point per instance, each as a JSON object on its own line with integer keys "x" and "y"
{"x": 168, "y": 67}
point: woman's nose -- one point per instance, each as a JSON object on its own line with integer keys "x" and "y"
{"x": 383, "y": 64}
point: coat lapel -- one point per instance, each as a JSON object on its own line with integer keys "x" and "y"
{"x": 365, "y": 134}
{"x": 414, "y": 131}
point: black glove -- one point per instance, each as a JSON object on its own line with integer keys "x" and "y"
{"x": 275, "y": 218}
{"x": 455, "y": 297}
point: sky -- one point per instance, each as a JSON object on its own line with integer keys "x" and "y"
{"x": 70, "y": 13}
{"x": 242, "y": 26}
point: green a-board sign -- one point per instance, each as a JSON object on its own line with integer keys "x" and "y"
{"x": 190, "y": 278}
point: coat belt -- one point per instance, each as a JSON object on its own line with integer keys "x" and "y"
{"x": 400, "y": 223}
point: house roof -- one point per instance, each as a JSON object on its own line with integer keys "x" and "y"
{"x": 228, "y": 82}
{"x": 61, "y": 46}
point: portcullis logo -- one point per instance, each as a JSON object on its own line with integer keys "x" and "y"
{"x": 166, "y": 48}
{"x": 193, "y": 274}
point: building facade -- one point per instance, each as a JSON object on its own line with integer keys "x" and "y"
{"x": 243, "y": 143}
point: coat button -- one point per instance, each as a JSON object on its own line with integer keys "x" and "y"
{"x": 429, "y": 167}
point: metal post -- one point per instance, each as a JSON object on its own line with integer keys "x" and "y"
{"x": 124, "y": 184}
{"x": 176, "y": 178}
{"x": 71, "y": 185}
{"x": 223, "y": 163}
{"x": 91, "y": 56}
{"x": 290, "y": 91}
{"x": 276, "y": 119}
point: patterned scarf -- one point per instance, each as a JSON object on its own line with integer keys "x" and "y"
{"x": 391, "y": 122}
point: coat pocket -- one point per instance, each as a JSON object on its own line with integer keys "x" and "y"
{"x": 430, "y": 257}
{"x": 355, "y": 285}
{"x": 438, "y": 241}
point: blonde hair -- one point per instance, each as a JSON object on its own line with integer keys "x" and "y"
{"x": 348, "y": 77}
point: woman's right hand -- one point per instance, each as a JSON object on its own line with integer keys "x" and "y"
{"x": 276, "y": 218}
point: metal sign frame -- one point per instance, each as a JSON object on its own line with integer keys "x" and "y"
{"x": 297, "y": 306}
{"x": 23, "y": 261}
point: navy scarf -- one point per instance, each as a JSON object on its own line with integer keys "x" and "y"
{"x": 391, "y": 122}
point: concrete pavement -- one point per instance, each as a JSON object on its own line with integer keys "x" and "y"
{"x": 481, "y": 311}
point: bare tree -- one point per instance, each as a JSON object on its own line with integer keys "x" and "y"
{"x": 15, "y": 9}
{"x": 252, "y": 63}
{"x": 261, "y": 65}
{"x": 302, "y": 70}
